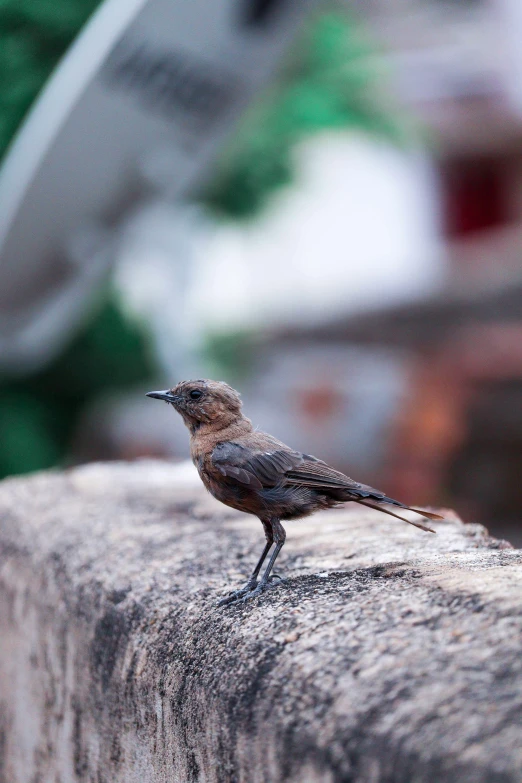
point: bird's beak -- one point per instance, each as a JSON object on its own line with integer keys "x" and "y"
{"x": 166, "y": 395}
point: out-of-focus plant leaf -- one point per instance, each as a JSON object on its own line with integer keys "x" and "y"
{"x": 38, "y": 414}
{"x": 228, "y": 354}
{"x": 34, "y": 35}
{"x": 332, "y": 82}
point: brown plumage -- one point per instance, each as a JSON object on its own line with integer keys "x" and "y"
{"x": 253, "y": 472}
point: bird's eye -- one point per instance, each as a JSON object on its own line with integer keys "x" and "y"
{"x": 195, "y": 394}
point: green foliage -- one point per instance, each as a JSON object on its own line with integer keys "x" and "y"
{"x": 27, "y": 432}
{"x": 34, "y": 34}
{"x": 38, "y": 414}
{"x": 228, "y": 354}
{"x": 330, "y": 84}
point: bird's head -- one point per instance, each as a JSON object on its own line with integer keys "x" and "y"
{"x": 203, "y": 402}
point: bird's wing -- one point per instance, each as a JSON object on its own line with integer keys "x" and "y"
{"x": 316, "y": 474}
{"x": 253, "y": 466}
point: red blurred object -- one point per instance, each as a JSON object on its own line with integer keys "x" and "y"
{"x": 475, "y": 195}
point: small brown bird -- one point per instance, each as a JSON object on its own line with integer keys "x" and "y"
{"x": 253, "y": 472}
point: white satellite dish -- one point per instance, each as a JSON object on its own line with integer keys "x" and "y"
{"x": 150, "y": 85}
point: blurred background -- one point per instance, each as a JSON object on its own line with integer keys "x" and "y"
{"x": 346, "y": 249}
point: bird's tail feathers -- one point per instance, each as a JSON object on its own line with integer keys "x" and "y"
{"x": 378, "y": 507}
{"x": 428, "y": 514}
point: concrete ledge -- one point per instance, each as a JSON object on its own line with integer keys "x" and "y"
{"x": 388, "y": 655}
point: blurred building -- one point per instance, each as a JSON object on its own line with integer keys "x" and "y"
{"x": 457, "y": 65}
{"x": 384, "y": 286}
{"x": 382, "y": 282}
{"x": 425, "y": 398}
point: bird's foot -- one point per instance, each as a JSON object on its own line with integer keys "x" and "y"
{"x": 253, "y": 593}
{"x": 250, "y": 590}
{"x": 238, "y": 594}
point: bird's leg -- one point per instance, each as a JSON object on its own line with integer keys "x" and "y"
{"x": 252, "y": 582}
{"x": 279, "y": 535}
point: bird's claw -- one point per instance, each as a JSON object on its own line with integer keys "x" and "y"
{"x": 237, "y": 594}
{"x": 250, "y": 590}
{"x": 253, "y": 593}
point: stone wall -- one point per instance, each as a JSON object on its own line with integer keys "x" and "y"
{"x": 386, "y": 655}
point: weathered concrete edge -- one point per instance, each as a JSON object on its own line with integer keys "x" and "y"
{"x": 137, "y": 685}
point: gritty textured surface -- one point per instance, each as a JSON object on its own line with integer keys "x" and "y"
{"x": 388, "y": 654}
